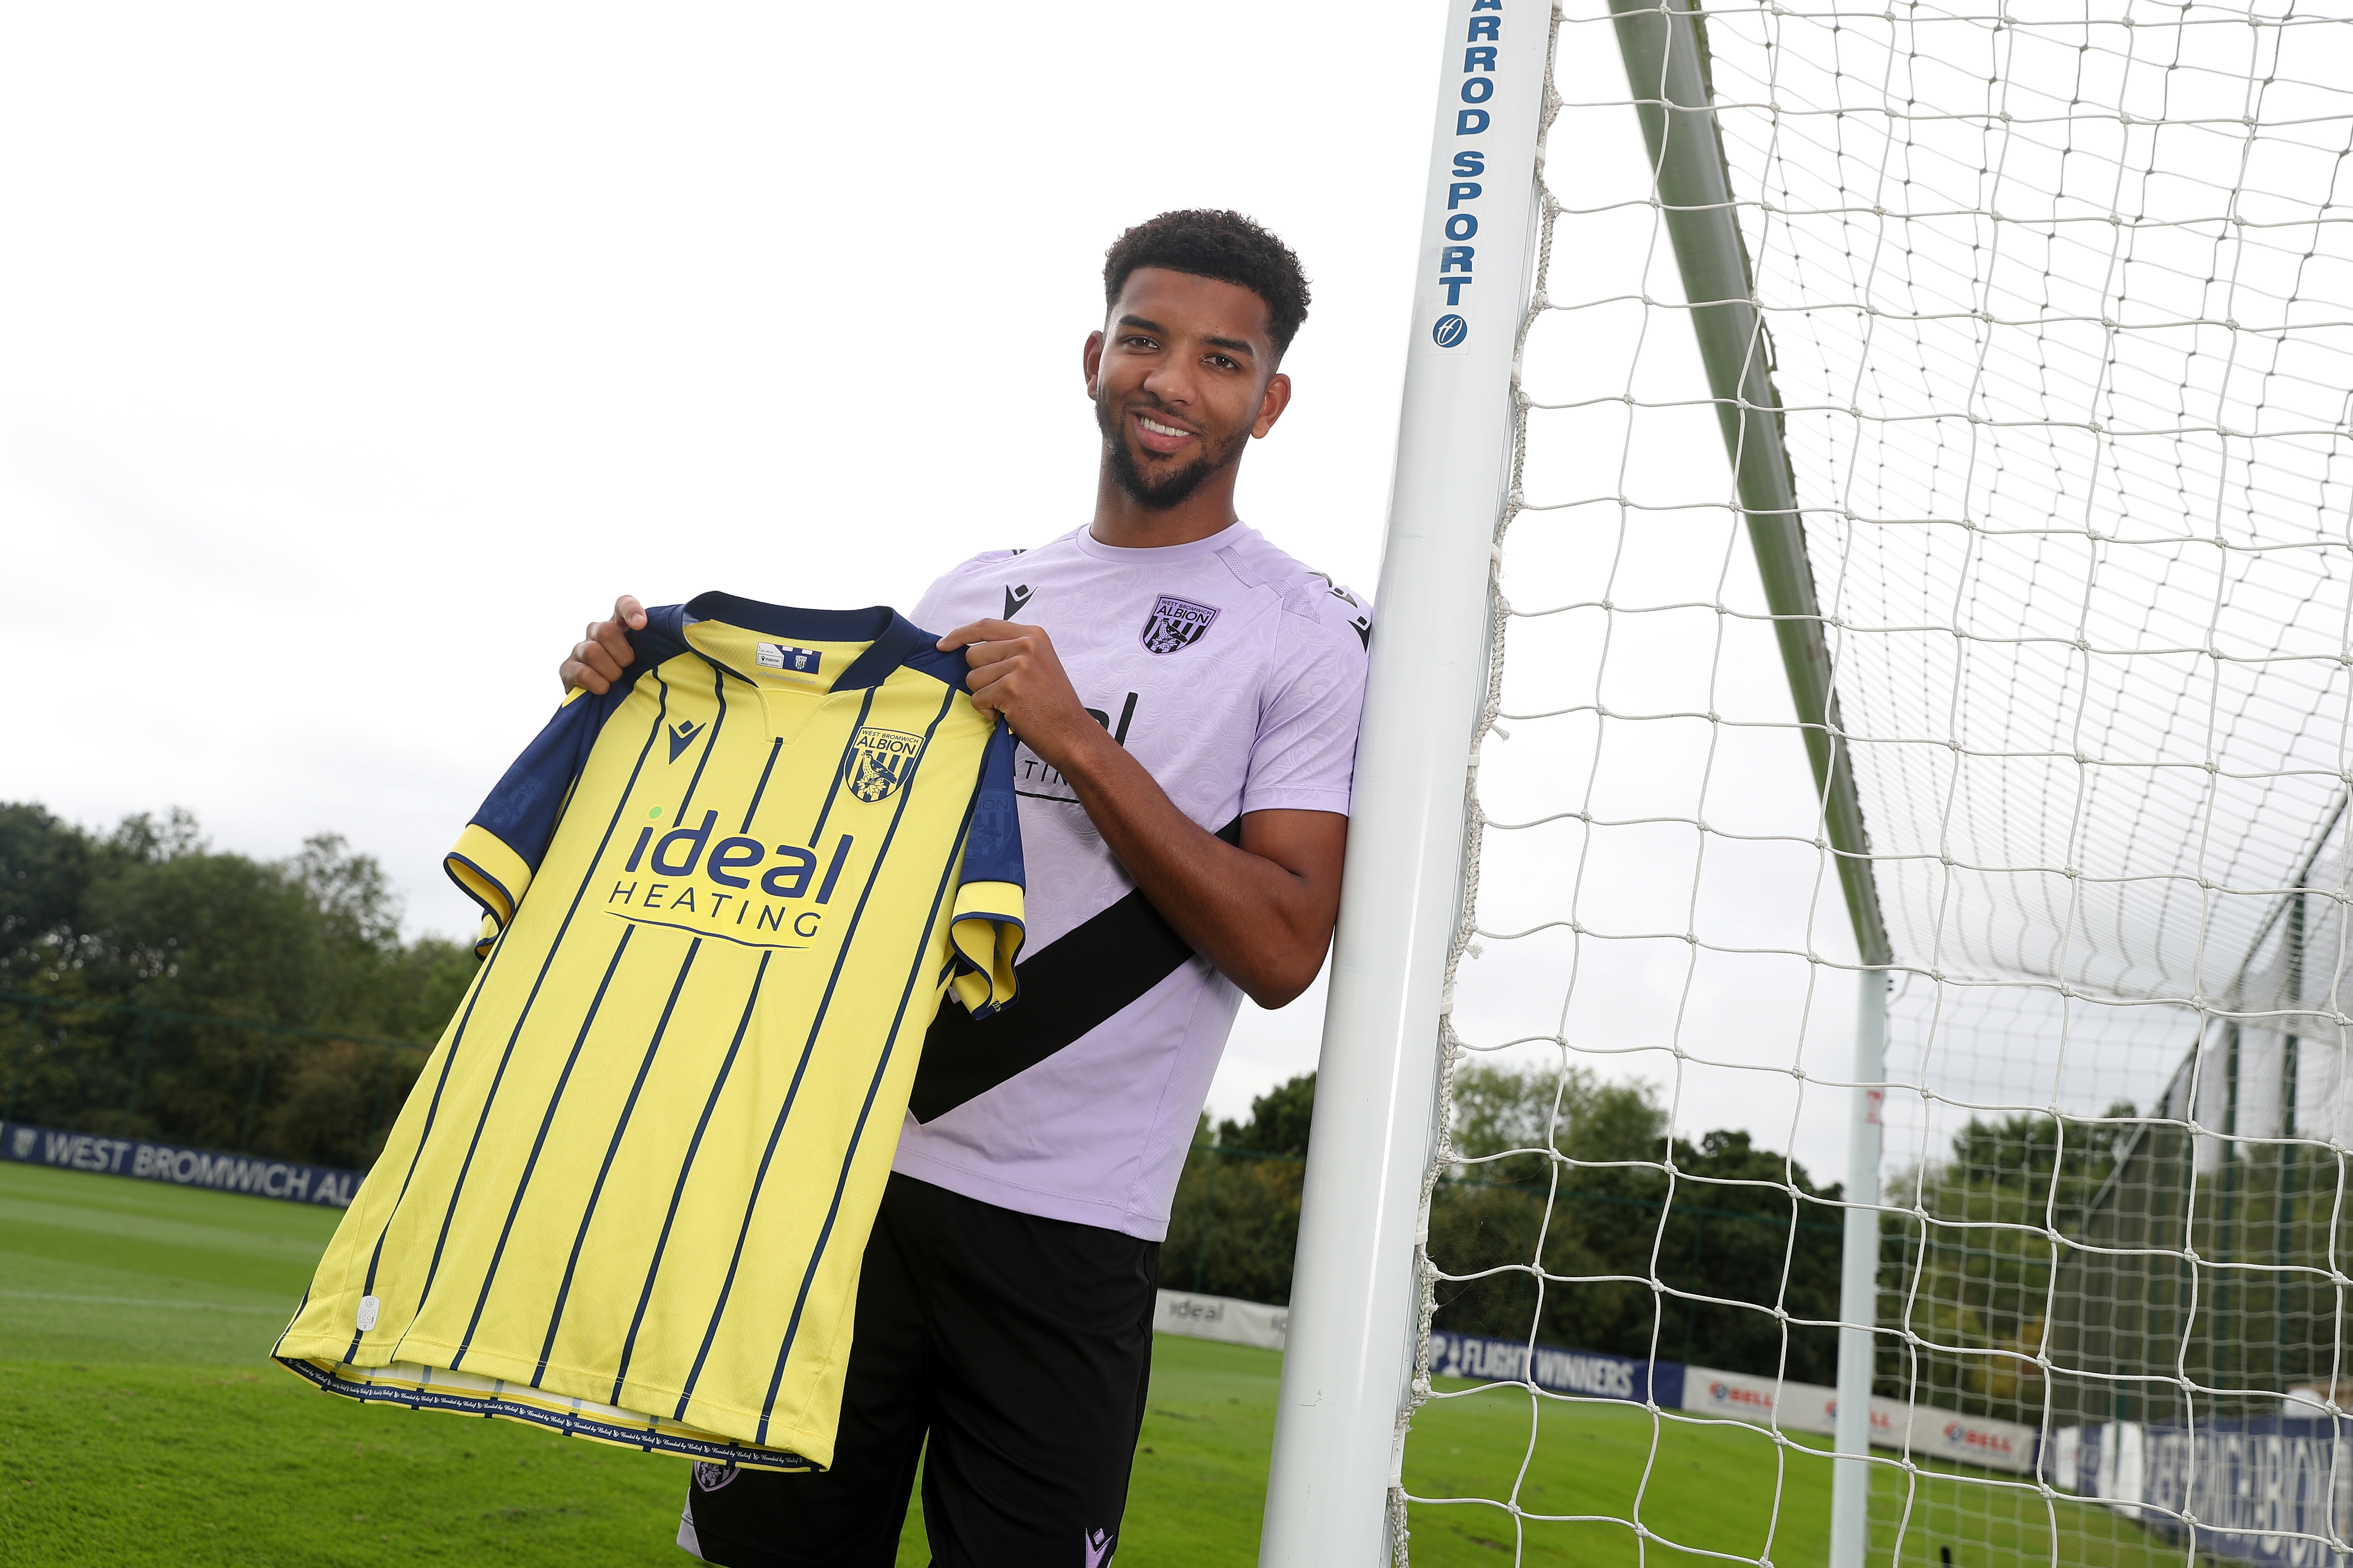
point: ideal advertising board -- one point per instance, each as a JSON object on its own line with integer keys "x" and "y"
{"x": 1237, "y": 1323}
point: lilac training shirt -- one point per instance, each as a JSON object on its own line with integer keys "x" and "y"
{"x": 1234, "y": 675}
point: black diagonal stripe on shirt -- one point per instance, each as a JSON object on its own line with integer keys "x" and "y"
{"x": 1068, "y": 988}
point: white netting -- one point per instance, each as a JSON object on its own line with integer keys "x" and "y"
{"x": 2058, "y": 305}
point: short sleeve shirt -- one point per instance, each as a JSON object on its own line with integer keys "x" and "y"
{"x": 629, "y": 1197}
{"x": 1235, "y": 675}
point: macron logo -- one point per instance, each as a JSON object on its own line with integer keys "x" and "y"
{"x": 682, "y": 736}
{"x": 1098, "y": 1548}
{"x": 1017, "y": 596}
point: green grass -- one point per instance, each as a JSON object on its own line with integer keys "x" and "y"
{"x": 2004, "y": 1527}
{"x": 1710, "y": 1487}
{"x": 139, "y": 1423}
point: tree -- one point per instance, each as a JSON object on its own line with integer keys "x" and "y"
{"x": 1560, "y": 1212}
{"x": 1971, "y": 1273}
{"x": 1234, "y": 1222}
{"x": 45, "y": 868}
{"x": 1557, "y": 1215}
{"x": 1279, "y": 1120}
{"x": 1573, "y": 1110}
{"x": 151, "y": 916}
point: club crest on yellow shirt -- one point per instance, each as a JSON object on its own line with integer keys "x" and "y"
{"x": 881, "y": 760}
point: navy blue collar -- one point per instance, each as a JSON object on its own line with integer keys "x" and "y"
{"x": 890, "y": 637}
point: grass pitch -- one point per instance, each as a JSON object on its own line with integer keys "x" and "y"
{"x": 141, "y": 1423}
{"x": 1600, "y": 1479}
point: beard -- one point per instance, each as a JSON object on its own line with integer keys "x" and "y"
{"x": 1158, "y": 492}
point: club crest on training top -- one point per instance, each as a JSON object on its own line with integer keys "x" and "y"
{"x": 881, "y": 760}
{"x": 1175, "y": 624}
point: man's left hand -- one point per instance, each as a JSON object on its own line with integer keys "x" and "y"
{"x": 1017, "y": 673}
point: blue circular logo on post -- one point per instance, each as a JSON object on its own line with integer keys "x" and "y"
{"x": 1449, "y": 331}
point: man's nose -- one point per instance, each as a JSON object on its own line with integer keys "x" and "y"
{"x": 1170, "y": 382}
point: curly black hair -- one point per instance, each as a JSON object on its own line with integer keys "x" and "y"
{"x": 1225, "y": 246}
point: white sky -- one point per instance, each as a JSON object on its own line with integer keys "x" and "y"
{"x": 350, "y": 360}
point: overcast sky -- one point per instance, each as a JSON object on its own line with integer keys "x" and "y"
{"x": 351, "y": 360}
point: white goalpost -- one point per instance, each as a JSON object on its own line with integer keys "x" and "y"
{"x": 1355, "y": 1294}
{"x": 1837, "y": 990}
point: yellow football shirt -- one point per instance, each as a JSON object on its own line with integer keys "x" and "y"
{"x": 628, "y": 1196}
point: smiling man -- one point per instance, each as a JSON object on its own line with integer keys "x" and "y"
{"x": 1185, "y": 696}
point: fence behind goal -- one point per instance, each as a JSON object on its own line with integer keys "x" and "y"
{"x": 1910, "y": 724}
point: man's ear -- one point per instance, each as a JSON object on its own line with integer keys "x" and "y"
{"x": 1090, "y": 357}
{"x": 1270, "y": 404}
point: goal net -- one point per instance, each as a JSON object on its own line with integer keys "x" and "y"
{"x": 1911, "y": 785}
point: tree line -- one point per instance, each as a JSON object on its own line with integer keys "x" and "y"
{"x": 1977, "y": 1268}
{"x": 1565, "y": 1200}
{"x": 149, "y": 915}
{"x": 1568, "y": 1212}
{"x": 1569, "y": 1215}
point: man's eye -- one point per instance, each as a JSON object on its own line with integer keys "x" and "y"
{"x": 1223, "y": 362}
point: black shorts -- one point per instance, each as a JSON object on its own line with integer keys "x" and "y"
{"x": 1021, "y": 1347}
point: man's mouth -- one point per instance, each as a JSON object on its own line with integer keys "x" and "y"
{"x": 1159, "y": 437}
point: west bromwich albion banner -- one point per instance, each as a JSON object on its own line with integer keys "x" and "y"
{"x": 288, "y": 1179}
{"x": 2276, "y": 1490}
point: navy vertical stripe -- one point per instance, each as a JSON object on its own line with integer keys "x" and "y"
{"x": 280, "y": 1343}
{"x": 424, "y": 1136}
{"x": 710, "y": 741}
{"x": 857, "y": 1132}
{"x": 546, "y": 1119}
{"x": 678, "y": 1189}
{"x": 774, "y": 746}
{"x": 816, "y": 1026}
{"x": 556, "y": 945}
{"x": 735, "y": 1258}
{"x": 588, "y": 1215}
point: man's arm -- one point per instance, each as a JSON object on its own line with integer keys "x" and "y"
{"x": 1263, "y": 913}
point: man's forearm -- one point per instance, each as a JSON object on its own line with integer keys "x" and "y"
{"x": 1258, "y": 922}
{"x": 1261, "y": 913}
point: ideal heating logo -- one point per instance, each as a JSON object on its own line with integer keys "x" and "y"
{"x": 1033, "y": 778}
{"x": 730, "y": 872}
{"x": 1459, "y": 224}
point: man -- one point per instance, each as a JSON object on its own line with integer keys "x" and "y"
{"x": 1186, "y": 696}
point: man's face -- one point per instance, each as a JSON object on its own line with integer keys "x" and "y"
{"x": 1182, "y": 375}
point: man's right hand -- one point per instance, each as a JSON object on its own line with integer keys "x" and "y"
{"x": 597, "y": 662}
